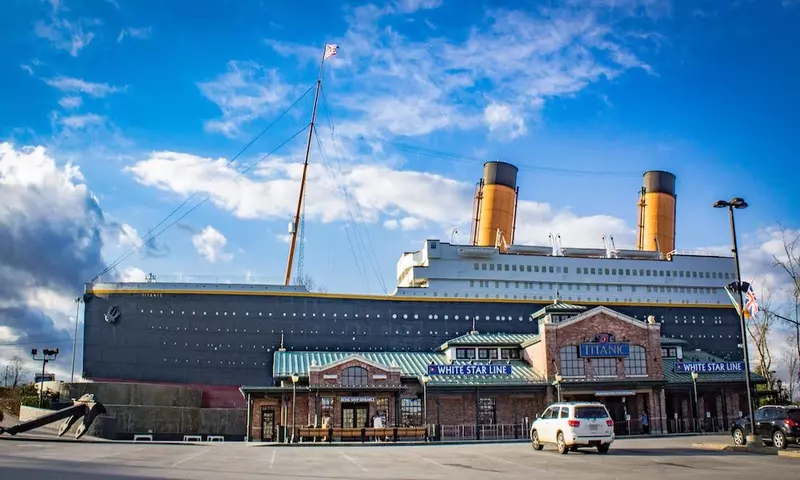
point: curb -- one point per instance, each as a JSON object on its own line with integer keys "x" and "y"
{"x": 723, "y": 447}
{"x": 789, "y": 453}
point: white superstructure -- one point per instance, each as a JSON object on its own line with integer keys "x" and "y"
{"x": 443, "y": 270}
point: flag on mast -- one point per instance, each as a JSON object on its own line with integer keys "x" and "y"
{"x": 750, "y": 304}
{"x": 330, "y": 51}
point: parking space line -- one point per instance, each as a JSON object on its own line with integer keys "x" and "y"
{"x": 434, "y": 462}
{"x": 190, "y": 457}
{"x": 515, "y": 463}
{"x": 353, "y": 461}
{"x": 272, "y": 461}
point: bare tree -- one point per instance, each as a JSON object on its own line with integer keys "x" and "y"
{"x": 791, "y": 265}
{"x": 309, "y": 283}
{"x": 759, "y": 328}
{"x": 792, "y": 364}
{"x": 16, "y": 370}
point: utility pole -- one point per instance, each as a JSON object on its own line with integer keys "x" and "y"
{"x": 47, "y": 355}
{"x": 78, "y": 301}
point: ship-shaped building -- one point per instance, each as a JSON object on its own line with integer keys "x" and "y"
{"x": 222, "y": 336}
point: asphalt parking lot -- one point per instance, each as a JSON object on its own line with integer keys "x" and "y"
{"x": 665, "y": 458}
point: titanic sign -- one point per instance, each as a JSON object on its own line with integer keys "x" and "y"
{"x": 604, "y": 345}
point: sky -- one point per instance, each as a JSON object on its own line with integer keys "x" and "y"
{"x": 191, "y": 120}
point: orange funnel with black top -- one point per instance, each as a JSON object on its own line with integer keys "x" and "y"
{"x": 497, "y": 203}
{"x": 656, "y": 230}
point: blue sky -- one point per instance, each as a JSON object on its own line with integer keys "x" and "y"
{"x": 138, "y": 105}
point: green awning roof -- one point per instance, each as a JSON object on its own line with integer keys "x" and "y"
{"x": 673, "y": 377}
{"x": 558, "y": 307}
{"x": 499, "y": 339}
{"x": 411, "y": 364}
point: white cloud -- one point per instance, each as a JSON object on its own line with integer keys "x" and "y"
{"x": 70, "y": 102}
{"x": 410, "y": 6}
{"x": 67, "y": 35}
{"x": 80, "y": 122}
{"x": 27, "y": 68}
{"x": 378, "y": 194}
{"x": 393, "y": 86}
{"x": 245, "y": 92}
{"x": 51, "y": 229}
{"x": 210, "y": 244}
{"x": 501, "y": 118}
{"x": 140, "y": 33}
{"x": 69, "y": 84}
{"x": 133, "y": 274}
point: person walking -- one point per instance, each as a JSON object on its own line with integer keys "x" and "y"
{"x": 645, "y": 423}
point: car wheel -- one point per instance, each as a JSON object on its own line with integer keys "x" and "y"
{"x": 535, "y": 441}
{"x": 603, "y": 448}
{"x": 738, "y": 437}
{"x": 562, "y": 444}
{"x": 779, "y": 440}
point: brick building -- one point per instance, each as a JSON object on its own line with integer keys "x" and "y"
{"x": 487, "y": 385}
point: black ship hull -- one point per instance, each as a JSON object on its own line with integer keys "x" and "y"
{"x": 229, "y": 340}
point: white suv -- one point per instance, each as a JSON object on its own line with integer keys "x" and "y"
{"x": 570, "y": 425}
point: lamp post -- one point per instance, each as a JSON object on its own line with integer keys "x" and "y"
{"x": 559, "y": 378}
{"x": 779, "y": 384}
{"x": 295, "y": 379}
{"x": 739, "y": 203}
{"x": 696, "y": 401}
{"x": 425, "y": 380}
{"x": 78, "y": 301}
{"x": 47, "y": 355}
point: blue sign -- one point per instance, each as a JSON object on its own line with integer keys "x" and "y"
{"x": 711, "y": 367}
{"x": 604, "y": 350}
{"x": 469, "y": 369}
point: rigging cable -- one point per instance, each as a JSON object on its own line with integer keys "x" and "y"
{"x": 208, "y": 197}
{"x": 145, "y": 239}
{"x": 371, "y": 249}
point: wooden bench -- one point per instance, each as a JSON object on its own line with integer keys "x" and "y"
{"x": 313, "y": 433}
{"x": 410, "y": 432}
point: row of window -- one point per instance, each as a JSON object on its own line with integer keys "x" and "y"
{"x": 642, "y": 272}
{"x": 573, "y": 365}
{"x": 588, "y": 287}
{"x": 470, "y": 353}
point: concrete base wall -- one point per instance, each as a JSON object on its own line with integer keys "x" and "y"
{"x": 111, "y": 393}
{"x": 171, "y": 423}
{"x": 26, "y": 414}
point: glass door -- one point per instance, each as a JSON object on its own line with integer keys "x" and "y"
{"x": 267, "y": 424}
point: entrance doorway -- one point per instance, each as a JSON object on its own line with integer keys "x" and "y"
{"x": 267, "y": 424}
{"x": 355, "y": 415}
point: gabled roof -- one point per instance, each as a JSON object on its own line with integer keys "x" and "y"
{"x": 558, "y": 307}
{"x": 411, "y": 364}
{"x": 601, "y": 309}
{"x": 499, "y": 339}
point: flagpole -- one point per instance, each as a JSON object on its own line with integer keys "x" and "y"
{"x": 305, "y": 171}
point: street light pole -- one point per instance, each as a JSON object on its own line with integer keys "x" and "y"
{"x": 425, "y": 380}
{"x": 740, "y": 203}
{"x": 559, "y": 378}
{"x": 47, "y": 355}
{"x": 696, "y": 401}
{"x": 295, "y": 378}
{"x": 77, "y": 301}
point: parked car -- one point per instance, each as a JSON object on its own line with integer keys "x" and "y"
{"x": 778, "y": 425}
{"x": 570, "y": 425}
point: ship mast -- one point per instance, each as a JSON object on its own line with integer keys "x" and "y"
{"x": 330, "y": 50}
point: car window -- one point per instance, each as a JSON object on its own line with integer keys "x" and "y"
{"x": 555, "y": 412}
{"x": 546, "y": 414}
{"x": 770, "y": 413}
{"x": 760, "y": 414}
{"x": 794, "y": 414}
{"x": 590, "y": 412}
{"x": 564, "y": 412}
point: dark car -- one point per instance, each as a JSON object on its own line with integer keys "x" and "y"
{"x": 776, "y": 424}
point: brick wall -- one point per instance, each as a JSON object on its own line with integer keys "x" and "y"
{"x": 575, "y": 333}
{"x": 317, "y": 375}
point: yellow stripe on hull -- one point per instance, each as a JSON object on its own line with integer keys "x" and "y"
{"x": 385, "y": 298}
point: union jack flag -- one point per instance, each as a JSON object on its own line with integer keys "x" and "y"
{"x": 330, "y": 51}
{"x": 750, "y": 305}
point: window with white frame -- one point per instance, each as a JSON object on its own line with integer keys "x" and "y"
{"x": 605, "y": 367}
